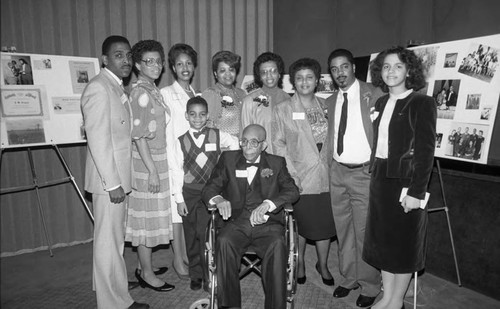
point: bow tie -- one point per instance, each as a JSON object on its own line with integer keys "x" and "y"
{"x": 248, "y": 164}
{"x": 197, "y": 134}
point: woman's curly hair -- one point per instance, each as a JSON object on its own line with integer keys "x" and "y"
{"x": 415, "y": 79}
{"x": 145, "y": 46}
{"x": 304, "y": 64}
{"x": 231, "y": 59}
{"x": 268, "y": 57}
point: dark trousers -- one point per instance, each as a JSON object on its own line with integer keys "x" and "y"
{"x": 268, "y": 242}
{"x": 194, "y": 225}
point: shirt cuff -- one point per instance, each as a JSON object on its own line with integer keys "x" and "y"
{"x": 272, "y": 206}
{"x": 179, "y": 198}
{"x": 216, "y": 199}
{"x": 112, "y": 188}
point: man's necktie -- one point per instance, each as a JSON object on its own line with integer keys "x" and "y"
{"x": 199, "y": 133}
{"x": 342, "y": 126}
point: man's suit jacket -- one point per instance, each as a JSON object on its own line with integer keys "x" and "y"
{"x": 278, "y": 187}
{"x": 412, "y": 140}
{"x": 368, "y": 95}
{"x": 107, "y": 121}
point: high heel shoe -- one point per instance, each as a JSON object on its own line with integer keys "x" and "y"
{"x": 164, "y": 288}
{"x": 329, "y": 282}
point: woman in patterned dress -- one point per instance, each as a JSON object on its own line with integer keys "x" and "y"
{"x": 149, "y": 221}
{"x": 224, "y": 99}
{"x": 300, "y": 127}
{"x": 258, "y": 106}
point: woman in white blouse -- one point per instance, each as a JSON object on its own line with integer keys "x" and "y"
{"x": 182, "y": 61}
{"x": 402, "y": 161}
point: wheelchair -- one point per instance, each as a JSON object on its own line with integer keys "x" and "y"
{"x": 250, "y": 260}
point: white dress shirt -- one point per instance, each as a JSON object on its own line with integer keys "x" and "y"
{"x": 356, "y": 146}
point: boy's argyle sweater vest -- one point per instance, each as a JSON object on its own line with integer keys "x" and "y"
{"x": 199, "y": 163}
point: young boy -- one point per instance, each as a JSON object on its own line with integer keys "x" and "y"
{"x": 196, "y": 154}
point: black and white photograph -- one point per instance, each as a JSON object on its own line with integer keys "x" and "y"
{"x": 25, "y": 131}
{"x": 481, "y": 62}
{"x": 473, "y": 101}
{"x": 446, "y": 93}
{"x": 466, "y": 140}
{"x": 23, "y": 66}
{"x": 428, "y": 56}
{"x": 450, "y": 60}
{"x": 486, "y": 113}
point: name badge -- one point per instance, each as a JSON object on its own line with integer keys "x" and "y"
{"x": 298, "y": 116}
{"x": 210, "y": 147}
{"x": 241, "y": 174}
{"x": 124, "y": 98}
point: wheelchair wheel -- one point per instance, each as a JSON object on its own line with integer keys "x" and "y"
{"x": 293, "y": 255}
{"x": 211, "y": 265}
{"x": 203, "y": 303}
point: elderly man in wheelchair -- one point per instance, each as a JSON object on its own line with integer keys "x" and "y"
{"x": 250, "y": 188}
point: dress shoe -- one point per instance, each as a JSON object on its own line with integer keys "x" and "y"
{"x": 329, "y": 282}
{"x": 136, "y": 305}
{"x": 164, "y": 288}
{"x": 365, "y": 301}
{"x": 340, "y": 291}
{"x": 195, "y": 284}
{"x": 161, "y": 271}
{"x": 301, "y": 280}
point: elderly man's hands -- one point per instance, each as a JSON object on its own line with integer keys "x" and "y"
{"x": 258, "y": 215}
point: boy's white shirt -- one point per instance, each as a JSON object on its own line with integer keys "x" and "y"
{"x": 177, "y": 169}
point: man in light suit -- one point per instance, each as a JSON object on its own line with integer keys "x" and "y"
{"x": 250, "y": 188}
{"x": 107, "y": 121}
{"x": 349, "y": 142}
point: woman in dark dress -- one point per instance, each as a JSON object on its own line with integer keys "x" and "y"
{"x": 403, "y": 156}
{"x": 300, "y": 128}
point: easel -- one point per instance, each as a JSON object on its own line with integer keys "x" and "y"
{"x": 445, "y": 208}
{"x": 37, "y": 186}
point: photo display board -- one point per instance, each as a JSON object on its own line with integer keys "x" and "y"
{"x": 463, "y": 78}
{"x": 40, "y": 98}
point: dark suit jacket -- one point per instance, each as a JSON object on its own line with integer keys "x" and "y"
{"x": 368, "y": 95}
{"x": 279, "y": 188}
{"x": 412, "y": 139}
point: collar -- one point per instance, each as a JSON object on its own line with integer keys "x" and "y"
{"x": 401, "y": 95}
{"x": 118, "y": 80}
{"x": 256, "y": 160}
{"x": 191, "y": 130}
{"x": 352, "y": 90}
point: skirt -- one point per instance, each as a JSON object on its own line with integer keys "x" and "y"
{"x": 313, "y": 213}
{"x": 395, "y": 241}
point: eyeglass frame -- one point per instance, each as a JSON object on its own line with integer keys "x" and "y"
{"x": 254, "y": 143}
{"x": 272, "y": 71}
{"x": 150, "y": 62}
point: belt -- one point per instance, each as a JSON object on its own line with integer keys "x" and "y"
{"x": 352, "y": 166}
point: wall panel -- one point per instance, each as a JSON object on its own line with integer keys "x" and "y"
{"x": 77, "y": 28}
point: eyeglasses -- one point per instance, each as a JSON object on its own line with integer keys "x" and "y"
{"x": 152, "y": 61}
{"x": 253, "y": 143}
{"x": 271, "y": 71}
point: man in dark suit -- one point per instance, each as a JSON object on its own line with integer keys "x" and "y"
{"x": 451, "y": 97}
{"x": 250, "y": 188}
{"x": 349, "y": 142}
{"x": 106, "y": 115}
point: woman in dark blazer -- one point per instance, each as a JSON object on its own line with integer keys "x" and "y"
{"x": 403, "y": 156}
